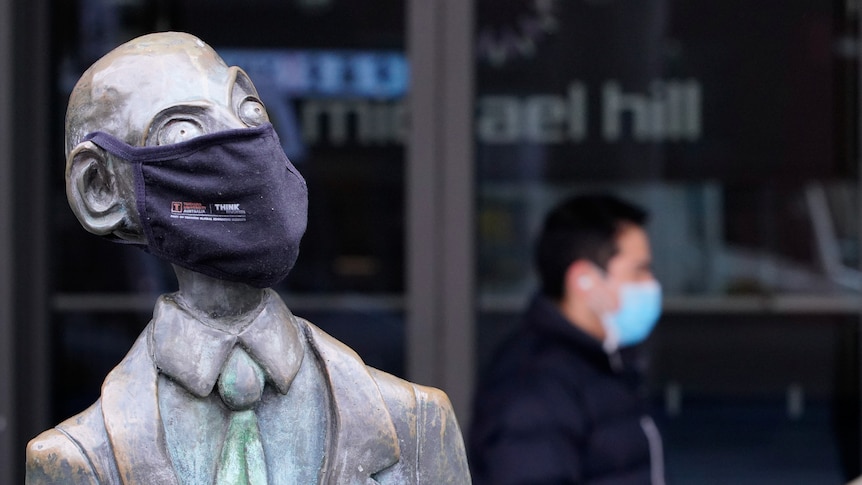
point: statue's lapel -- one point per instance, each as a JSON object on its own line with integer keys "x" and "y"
{"x": 363, "y": 441}
{"x": 131, "y": 413}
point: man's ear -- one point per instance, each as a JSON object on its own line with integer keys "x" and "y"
{"x": 92, "y": 190}
{"x": 581, "y": 277}
{"x": 586, "y": 283}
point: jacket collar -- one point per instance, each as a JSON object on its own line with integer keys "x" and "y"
{"x": 363, "y": 443}
{"x": 130, "y": 409}
{"x": 365, "y": 438}
{"x": 193, "y": 354}
{"x": 544, "y": 317}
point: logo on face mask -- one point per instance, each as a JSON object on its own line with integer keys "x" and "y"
{"x": 639, "y": 310}
{"x": 197, "y": 211}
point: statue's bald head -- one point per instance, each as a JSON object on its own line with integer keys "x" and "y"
{"x": 121, "y": 92}
{"x": 157, "y": 89}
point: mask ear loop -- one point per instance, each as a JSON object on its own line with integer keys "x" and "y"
{"x": 611, "y": 341}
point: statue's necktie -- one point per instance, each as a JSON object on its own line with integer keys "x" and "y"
{"x": 241, "y": 387}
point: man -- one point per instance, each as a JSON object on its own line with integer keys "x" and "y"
{"x": 561, "y": 403}
{"x": 170, "y": 149}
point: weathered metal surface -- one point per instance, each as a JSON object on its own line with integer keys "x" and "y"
{"x": 221, "y": 359}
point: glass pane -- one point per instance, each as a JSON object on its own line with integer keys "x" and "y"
{"x": 333, "y": 75}
{"x": 735, "y": 125}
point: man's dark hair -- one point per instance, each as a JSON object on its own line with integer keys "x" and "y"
{"x": 581, "y": 227}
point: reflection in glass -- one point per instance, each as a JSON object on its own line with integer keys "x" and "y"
{"x": 736, "y": 126}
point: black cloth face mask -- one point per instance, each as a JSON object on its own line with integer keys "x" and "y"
{"x": 229, "y": 204}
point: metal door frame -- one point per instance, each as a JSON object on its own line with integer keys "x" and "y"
{"x": 440, "y": 198}
{"x": 7, "y": 405}
{"x": 25, "y": 162}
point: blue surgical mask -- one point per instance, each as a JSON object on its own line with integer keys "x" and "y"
{"x": 640, "y": 308}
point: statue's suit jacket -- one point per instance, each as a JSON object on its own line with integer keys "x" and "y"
{"x": 404, "y": 433}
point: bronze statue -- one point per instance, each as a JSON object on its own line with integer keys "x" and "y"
{"x": 170, "y": 149}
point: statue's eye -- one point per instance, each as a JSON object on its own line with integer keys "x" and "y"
{"x": 178, "y": 130}
{"x": 252, "y": 112}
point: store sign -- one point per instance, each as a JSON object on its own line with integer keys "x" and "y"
{"x": 673, "y": 89}
{"x": 357, "y": 98}
{"x": 670, "y": 111}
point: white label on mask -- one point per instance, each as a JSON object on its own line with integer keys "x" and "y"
{"x": 196, "y": 211}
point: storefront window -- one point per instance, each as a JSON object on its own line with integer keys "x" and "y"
{"x": 735, "y": 126}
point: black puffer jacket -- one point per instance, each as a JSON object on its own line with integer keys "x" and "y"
{"x": 555, "y": 408}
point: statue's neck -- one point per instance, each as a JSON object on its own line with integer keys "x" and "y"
{"x": 219, "y": 303}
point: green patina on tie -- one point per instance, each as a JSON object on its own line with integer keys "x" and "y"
{"x": 241, "y": 387}
{"x": 242, "y": 461}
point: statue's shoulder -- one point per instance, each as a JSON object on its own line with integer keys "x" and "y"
{"x": 418, "y": 396}
{"x": 335, "y": 354}
{"x": 53, "y": 458}
{"x": 77, "y": 451}
{"x": 427, "y": 429}
{"x": 423, "y": 417}
{"x": 402, "y": 394}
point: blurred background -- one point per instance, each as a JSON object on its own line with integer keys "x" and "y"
{"x": 434, "y": 135}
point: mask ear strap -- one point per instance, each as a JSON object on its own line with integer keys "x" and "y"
{"x": 162, "y": 153}
{"x": 612, "y": 341}
{"x": 112, "y": 144}
{"x": 601, "y": 299}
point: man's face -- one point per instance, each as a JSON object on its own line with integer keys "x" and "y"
{"x": 631, "y": 264}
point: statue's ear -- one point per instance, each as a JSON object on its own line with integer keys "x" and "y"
{"x": 92, "y": 189}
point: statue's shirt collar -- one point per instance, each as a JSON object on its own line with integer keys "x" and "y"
{"x": 193, "y": 353}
